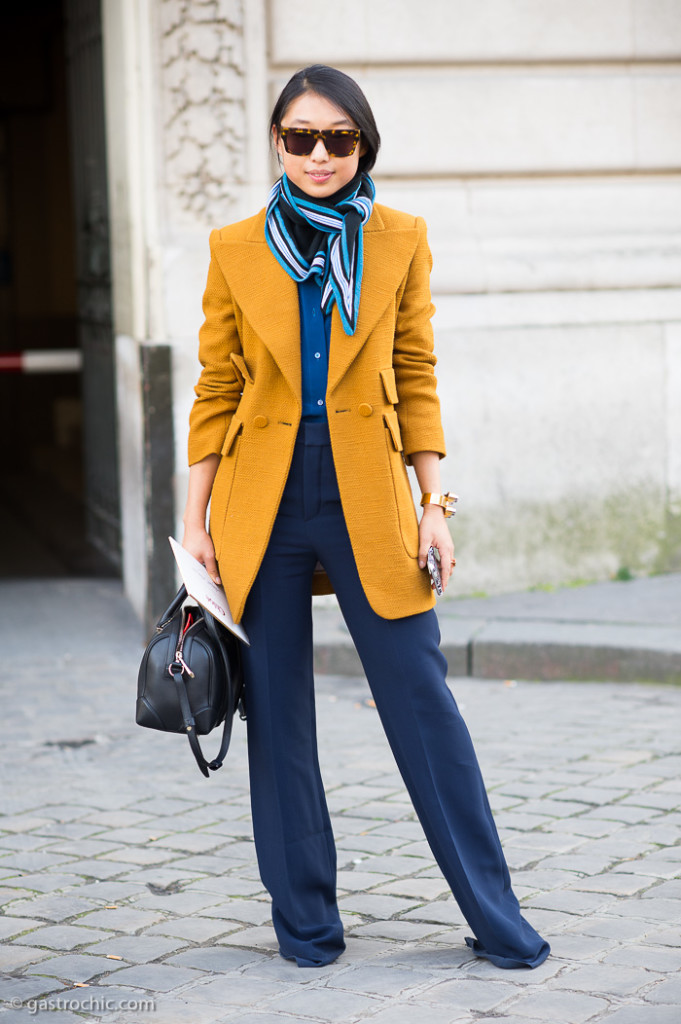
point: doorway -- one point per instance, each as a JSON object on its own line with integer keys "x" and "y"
{"x": 59, "y": 498}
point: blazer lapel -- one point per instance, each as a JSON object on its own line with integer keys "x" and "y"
{"x": 267, "y": 296}
{"x": 386, "y": 259}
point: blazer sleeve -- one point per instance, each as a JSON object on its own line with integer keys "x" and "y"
{"x": 218, "y": 390}
{"x": 414, "y": 359}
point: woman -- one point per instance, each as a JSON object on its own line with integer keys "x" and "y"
{"x": 317, "y": 387}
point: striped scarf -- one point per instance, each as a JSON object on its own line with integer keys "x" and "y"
{"x": 322, "y": 238}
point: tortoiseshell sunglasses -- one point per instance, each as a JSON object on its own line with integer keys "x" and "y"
{"x": 339, "y": 142}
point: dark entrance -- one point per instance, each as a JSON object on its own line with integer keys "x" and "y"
{"x": 59, "y": 501}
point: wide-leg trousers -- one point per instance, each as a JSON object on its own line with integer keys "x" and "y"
{"x": 406, "y": 672}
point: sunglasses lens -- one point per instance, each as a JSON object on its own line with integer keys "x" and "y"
{"x": 299, "y": 143}
{"x": 340, "y": 144}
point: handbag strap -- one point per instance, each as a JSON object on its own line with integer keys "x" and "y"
{"x": 240, "y": 703}
{"x": 175, "y": 669}
{"x": 189, "y": 724}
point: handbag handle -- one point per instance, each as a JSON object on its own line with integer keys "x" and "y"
{"x": 177, "y": 602}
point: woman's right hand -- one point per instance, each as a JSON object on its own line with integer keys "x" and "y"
{"x": 197, "y": 542}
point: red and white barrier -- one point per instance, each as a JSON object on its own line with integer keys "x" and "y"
{"x": 60, "y": 360}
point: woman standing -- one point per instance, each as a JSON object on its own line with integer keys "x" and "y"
{"x": 317, "y": 390}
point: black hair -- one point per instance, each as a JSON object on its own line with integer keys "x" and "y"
{"x": 341, "y": 90}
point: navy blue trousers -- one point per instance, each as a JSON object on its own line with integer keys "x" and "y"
{"x": 406, "y": 672}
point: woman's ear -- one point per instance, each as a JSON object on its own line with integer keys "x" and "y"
{"x": 276, "y": 141}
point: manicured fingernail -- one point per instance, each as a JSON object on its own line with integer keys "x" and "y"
{"x": 422, "y": 564}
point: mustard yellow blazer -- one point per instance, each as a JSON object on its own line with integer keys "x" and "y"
{"x": 382, "y": 404}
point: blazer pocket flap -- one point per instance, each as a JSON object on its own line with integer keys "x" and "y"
{"x": 393, "y": 426}
{"x": 239, "y": 363}
{"x": 389, "y": 385}
{"x": 231, "y": 436}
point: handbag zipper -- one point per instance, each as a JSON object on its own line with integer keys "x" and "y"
{"x": 179, "y": 659}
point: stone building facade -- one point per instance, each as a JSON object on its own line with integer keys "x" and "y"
{"x": 541, "y": 140}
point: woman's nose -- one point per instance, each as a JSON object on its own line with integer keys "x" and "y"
{"x": 319, "y": 153}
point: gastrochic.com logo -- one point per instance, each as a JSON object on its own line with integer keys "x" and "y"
{"x": 80, "y": 1004}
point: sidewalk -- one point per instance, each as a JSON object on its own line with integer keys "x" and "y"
{"x": 620, "y": 631}
{"x": 127, "y": 879}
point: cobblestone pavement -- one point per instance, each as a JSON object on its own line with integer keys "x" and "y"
{"x": 129, "y": 889}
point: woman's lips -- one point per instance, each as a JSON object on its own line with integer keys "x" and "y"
{"x": 319, "y": 176}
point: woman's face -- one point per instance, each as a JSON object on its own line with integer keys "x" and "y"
{"x": 319, "y": 175}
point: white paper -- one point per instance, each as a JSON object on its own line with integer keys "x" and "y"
{"x": 201, "y": 587}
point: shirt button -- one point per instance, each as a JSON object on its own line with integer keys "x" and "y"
{"x": 318, "y": 355}
{"x": 320, "y": 401}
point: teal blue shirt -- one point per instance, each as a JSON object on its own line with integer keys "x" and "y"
{"x": 315, "y": 337}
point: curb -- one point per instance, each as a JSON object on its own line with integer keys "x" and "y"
{"x": 526, "y": 649}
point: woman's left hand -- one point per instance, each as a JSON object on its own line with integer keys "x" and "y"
{"x": 433, "y": 530}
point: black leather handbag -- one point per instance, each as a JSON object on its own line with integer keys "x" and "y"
{"x": 191, "y": 679}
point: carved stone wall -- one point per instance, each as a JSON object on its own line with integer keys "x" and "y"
{"x": 202, "y": 85}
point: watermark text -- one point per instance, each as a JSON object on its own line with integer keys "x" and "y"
{"x": 91, "y": 1004}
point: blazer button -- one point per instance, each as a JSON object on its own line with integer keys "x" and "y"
{"x": 365, "y": 409}
{"x": 260, "y": 421}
